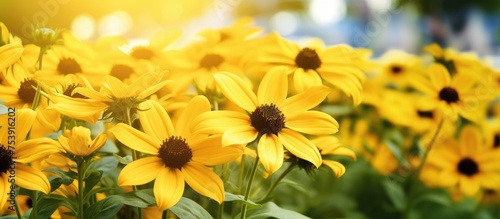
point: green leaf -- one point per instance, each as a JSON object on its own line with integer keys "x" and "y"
{"x": 187, "y": 208}
{"x": 91, "y": 179}
{"x": 105, "y": 164}
{"x": 142, "y": 198}
{"x": 109, "y": 147}
{"x": 66, "y": 177}
{"x": 123, "y": 160}
{"x": 106, "y": 208}
{"x": 270, "y": 209}
{"x": 395, "y": 193}
{"x": 8, "y": 217}
{"x": 232, "y": 197}
{"x": 99, "y": 190}
{"x": 55, "y": 183}
{"x": 396, "y": 151}
{"x": 46, "y": 207}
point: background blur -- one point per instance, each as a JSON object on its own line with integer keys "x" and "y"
{"x": 376, "y": 24}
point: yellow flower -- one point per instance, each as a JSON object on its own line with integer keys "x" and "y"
{"x": 155, "y": 50}
{"x": 78, "y": 141}
{"x": 178, "y": 154}
{"x": 455, "y": 61}
{"x": 270, "y": 118}
{"x": 467, "y": 163}
{"x": 11, "y": 48}
{"x": 311, "y": 66}
{"x": 330, "y": 145}
{"x": 398, "y": 67}
{"x": 451, "y": 96}
{"x": 113, "y": 98}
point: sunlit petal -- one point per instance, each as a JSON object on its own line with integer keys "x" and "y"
{"x": 274, "y": 86}
{"x": 141, "y": 171}
{"x": 168, "y": 188}
{"x": 236, "y": 90}
{"x": 155, "y": 120}
{"x": 270, "y": 151}
{"x": 204, "y": 181}
{"x": 135, "y": 139}
{"x": 312, "y": 122}
{"x": 300, "y": 146}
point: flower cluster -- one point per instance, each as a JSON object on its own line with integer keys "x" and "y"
{"x": 110, "y": 129}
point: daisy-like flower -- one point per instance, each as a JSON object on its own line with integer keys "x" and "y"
{"x": 113, "y": 98}
{"x": 455, "y": 61}
{"x": 270, "y": 118}
{"x": 78, "y": 141}
{"x": 313, "y": 65}
{"x": 468, "y": 164}
{"x": 11, "y": 48}
{"x": 398, "y": 67}
{"x": 451, "y": 96}
{"x": 178, "y": 154}
{"x": 328, "y": 146}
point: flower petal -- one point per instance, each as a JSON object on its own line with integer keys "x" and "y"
{"x": 240, "y": 135}
{"x": 26, "y": 118}
{"x": 204, "y": 181}
{"x": 469, "y": 185}
{"x": 302, "y": 80}
{"x": 43, "y": 146}
{"x": 300, "y": 146}
{"x": 141, "y": 171}
{"x": 305, "y": 100}
{"x": 215, "y": 122}
{"x": 337, "y": 168}
{"x": 135, "y": 139}
{"x": 270, "y": 151}
{"x": 312, "y": 122}
{"x": 168, "y": 188}
{"x": 439, "y": 76}
{"x": 209, "y": 151}
{"x": 31, "y": 178}
{"x": 195, "y": 107}
{"x": 114, "y": 87}
{"x": 236, "y": 90}
{"x": 155, "y": 120}
{"x": 274, "y": 86}
{"x": 470, "y": 141}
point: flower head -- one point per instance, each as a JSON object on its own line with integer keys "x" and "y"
{"x": 78, "y": 141}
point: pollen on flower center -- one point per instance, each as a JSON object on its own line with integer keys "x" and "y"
{"x": 308, "y": 59}
{"x": 5, "y": 159}
{"x": 69, "y": 91}
{"x": 175, "y": 152}
{"x": 141, "y": 52}
{"x": 267, "y": 119}
{"x": 68, "y": 66}
{"x": 121, "y": 71}
{"x": 448, "y": 94}
{"x": 467, "y": 167}
{"x": 26, "y": 91}
{"x": 210, "y": 61}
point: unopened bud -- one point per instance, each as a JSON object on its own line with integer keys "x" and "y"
{"x": 45, "y": 37}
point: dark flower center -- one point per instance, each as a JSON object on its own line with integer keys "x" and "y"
{"x": 449, "y": 95}
{"x": 468, "y": 167}
{"x": 69, "y": 91}
{"x": 496, "y": 140}
{"x": 210, "y": 61}
{"x": 308, "y": 59}
{"x": 396, "y": 69}
{"x": 121, "y": 72}
{"x": 267, "y": 119}
{"x": 26, "y": 91}
{"x": 141, "y": 52}
{"x": 68, "y": 66}
{"x": 425, "y": 114}
{"x": 29, "y": 203}
{"x": 5, "y": 159}
{"x": 175, "y": 152}
{"x": 223, "y": 37}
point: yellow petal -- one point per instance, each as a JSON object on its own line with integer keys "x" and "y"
{"x": 89, "y": 111}
{"x": 9, "y": 54}
{"x": 155, "y": 120}
{"x": 439, "y": 76}
{"x": 312, "y": 122}
{"x": 489, "y": 180}
{"x": 209, "y": 151}
{"x": 274, "y": 86}
{"x": 305, "y": 100}
{"x": 92, "y": 94}
{"x": 204, "y": 181}
{"x": 135, "y": 139}
{"x": 150, "y": 90}
{"x": 348, "y": 83}
{"x": 270, "y": 151}
{"x": 344, "y": 152}
{"x": 435, "y": 50}
{"x": 300, "y": 146}
{"x": 195, "y": 107}
{"x": 114, "y": 87}
{"x": 161, "y": 40}
{"x": 302, "y": 80}
{"x": 97, "y": 143}
{"x": 168, "y": 188}
{"x": 215, "y": 122}
{"x": 31, "y": 178}
{"x": 468, "y": 185}
{"x": 141, "y": 171}
{"x": 35, "y": 149}
{"x": 4, "y": 188}
{"x": 240, "y": 135}
{"x": 236, "y": 90}
{"x": 464, "y": 82}
{"x": 25, "y": 119}
{"x": 337, "y": 168}
{"x": 470, "y": 141}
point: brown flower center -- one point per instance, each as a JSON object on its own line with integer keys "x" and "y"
{"x": 267, "y": 119}
{"x": 468, "y": 167}
{"x": 396, "y": 69}
{"x": 5, "y": 159}
{"x": 496, "y": 140}
{"x": 26, "y": 91}
{"x": 308, "y": 59}
{"x": 68, "y": 66}
{"x": 69, "y": 91}
{"x": 210, "y": 61}
{"x": 142, "y": 52}
{"x": 425, "y": 114}
{"x": 175, "y": 152}
{"x": 448, "y": 94}
{"x": 121, "y": 72}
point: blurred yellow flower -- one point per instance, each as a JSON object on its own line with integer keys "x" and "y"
{"x": 78, "y": 141}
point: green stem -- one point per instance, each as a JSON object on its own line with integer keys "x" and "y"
{"x": 416, "y": 175}
{"x": 164, "y": 214}
{"x": 18, "y": 212}
{"x": 135, "y": 156}
{"x": 34, "y": 203}
{"x": 80, "y": 189}
{"x": 40, "y": 57}
{"x": 221, "y": 211}
{"x": 249, "y": 187}
{"x": 276, "y": 182}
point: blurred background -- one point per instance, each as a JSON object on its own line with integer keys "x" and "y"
{"x": 466, "y": 25}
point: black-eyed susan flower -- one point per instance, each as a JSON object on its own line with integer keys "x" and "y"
{"x": 467, "y": 163}
{"x": 270, "y": 118}
{"x": 313, "y": 65}
{"x": 453, "y": 60}
{"x": 78, "y": 141}
{"x": 398, "y": 68}
{"x": 178, "y": 154}
{"x": 451, "y": 96}
{"x": 114, "y": 98}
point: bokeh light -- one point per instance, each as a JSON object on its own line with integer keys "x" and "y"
{"x": 83, "y": 26}
{"x": 117, "y": 23}
{"x": 327, "y": 11}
